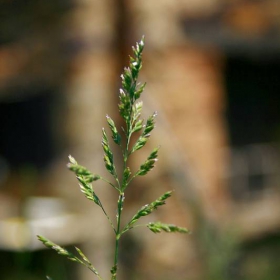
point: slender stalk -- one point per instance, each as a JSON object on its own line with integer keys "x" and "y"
{"x": 107, "y": 216}
{"x": 121, "y": 200}
{"x": 118, "y": 235}
{"x": 108, "y": 182}
{"x": 132, "y": 227}
{"x": 94, "y": 271}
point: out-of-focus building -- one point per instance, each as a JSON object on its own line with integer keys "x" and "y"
{"x": 219, "y": 62}
{"x": 57, "y": 77}
{"x": 211, "y": 68}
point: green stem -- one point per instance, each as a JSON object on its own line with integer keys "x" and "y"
{"x": 118, "y": 235}
{"x": 108, "y": 182}
{"x": 127, "y": 228}
{"x": 94, "y": 271}
{"x": 107, "y": 216}
{"x": 133, "y": 177}
{"x": 126, "y": 155}
{"x": 121, "y": 198}
{"x": 90, "y": 267}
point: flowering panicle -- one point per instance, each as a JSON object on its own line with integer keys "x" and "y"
{"x": 130, "y": 109}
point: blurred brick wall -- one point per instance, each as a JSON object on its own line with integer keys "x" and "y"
{"x": 185, "y": 85}
{"x": 186, "y": 79}
{"x": 89, "y": 93}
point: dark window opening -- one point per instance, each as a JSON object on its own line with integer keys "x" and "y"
{"x": 26, "y": 130}
{"x": 253, "y": 88}
{"x": 253, "y": 115}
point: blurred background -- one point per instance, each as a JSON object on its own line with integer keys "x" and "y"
{"x": 212, "y": 71}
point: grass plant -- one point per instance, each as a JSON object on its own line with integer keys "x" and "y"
{"x": 130, "y": 109}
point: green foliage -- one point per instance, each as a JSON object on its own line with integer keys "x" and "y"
{"x": 115, "y": 135}
{"x": 108, "y": 155}
{"x": 149, "y": 164}
{"x": 147, "y": 209}
{"x": 57, "y": 248}
{"x": 130, "y": 109}
{"x": 158, "y": 227}
{"x": 61, "y": 251}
